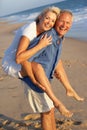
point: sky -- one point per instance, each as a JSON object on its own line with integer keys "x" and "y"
{"x": 12, "y": 6}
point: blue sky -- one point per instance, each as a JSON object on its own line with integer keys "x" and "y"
{"x": 11, "y": 6}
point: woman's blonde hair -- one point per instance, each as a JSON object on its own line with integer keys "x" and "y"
{"x": 53, "y": 9}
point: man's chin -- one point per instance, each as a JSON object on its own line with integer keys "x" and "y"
{"x": 62, "y": 33}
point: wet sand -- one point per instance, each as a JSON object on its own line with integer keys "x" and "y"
{"x": 14, "y": 107}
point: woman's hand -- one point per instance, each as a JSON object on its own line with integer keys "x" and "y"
{"x": 45, "y": 40}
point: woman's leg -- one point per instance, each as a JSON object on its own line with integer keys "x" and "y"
{"x": 41, "y": 77}
{"x": 61, "y": 75}
{"x": 27, "y": 71}
{"x": 37, "y": 75}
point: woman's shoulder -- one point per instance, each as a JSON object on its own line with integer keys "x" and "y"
{"x": 30, "y": 30}
{"x": 30, "y": 25}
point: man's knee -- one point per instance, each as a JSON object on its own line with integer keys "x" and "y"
{"x": 48, "y": 113}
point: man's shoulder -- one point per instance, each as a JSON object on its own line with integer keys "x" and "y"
{"x": 51, "y": 32}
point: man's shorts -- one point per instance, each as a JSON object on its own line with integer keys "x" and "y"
{"x": 39, "y": 102}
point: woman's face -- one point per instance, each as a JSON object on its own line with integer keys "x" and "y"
{"x": 47, "y": 21}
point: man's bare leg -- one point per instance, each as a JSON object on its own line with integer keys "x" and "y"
{"x": 48, "y": 120}
{"x": 53, "y": 119}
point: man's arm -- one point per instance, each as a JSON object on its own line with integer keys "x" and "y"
{"x": 61, "y": 74}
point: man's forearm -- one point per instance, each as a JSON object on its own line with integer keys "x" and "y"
{"x": 61, "y": 74}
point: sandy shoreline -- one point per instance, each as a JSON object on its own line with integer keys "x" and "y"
{"x": 14, "y": 106}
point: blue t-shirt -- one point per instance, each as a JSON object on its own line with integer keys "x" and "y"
{"x": 47, "y": 57}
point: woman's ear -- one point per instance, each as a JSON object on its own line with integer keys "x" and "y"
{"x": 39, "y": 17}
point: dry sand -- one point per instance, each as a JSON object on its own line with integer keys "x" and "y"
{"x": 14, "y": 106}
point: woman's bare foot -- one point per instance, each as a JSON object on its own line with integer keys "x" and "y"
{"x": 72, "y": 93}
{"x": 63, "y": 110}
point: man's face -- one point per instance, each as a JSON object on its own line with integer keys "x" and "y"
{"x": 63, "y": 24}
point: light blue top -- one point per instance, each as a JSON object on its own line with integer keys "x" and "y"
{"x": 47, "y": 57}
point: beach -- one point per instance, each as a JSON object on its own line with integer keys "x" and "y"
{"x": 14, "y": 107}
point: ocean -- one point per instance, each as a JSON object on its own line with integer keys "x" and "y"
{"x": 78, "y": 8}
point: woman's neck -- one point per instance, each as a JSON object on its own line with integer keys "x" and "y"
{"x": 39, "y": 30}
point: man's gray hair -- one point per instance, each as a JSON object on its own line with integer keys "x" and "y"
{"x": 66, "y": 11}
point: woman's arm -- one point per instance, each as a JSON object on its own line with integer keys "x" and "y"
{"x": 24, "y": 54}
